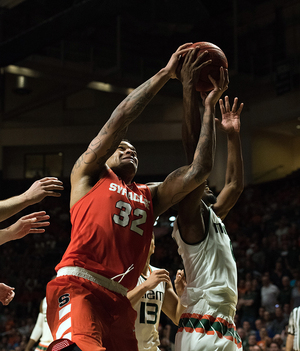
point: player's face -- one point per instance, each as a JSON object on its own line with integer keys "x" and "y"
{"x": 208, "y": 196}
{"x": 124, "y": 156}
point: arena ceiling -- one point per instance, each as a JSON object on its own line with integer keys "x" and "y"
{"x": 122, "y": 42}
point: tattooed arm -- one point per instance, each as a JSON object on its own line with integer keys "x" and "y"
{"x": 91, "y": 164}
{"x": 185, "y": 179}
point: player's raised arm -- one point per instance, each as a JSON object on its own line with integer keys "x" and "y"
{"x": 185, "y": 179}
{"x": 91, "y": 163}
{"x": 234, "y": 179}
{"x": 191, "y": 122}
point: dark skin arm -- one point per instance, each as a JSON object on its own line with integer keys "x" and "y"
{"x": 191, "y": 210}
{"x": 234, "y": 180}
{"x": 186, "y": 179}
{"x": 190, "y": 220}
{"x": 90, "y": 166}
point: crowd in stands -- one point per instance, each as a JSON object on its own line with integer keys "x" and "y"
{"x": 264, "y": 227}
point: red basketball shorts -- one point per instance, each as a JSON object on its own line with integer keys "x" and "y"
{"x": 90, "y": 315}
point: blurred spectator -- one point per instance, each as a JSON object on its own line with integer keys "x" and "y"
{"x": 247, "y": 328}
{"x": 282, "y": 228}
{"x": 261, "y": 312}
{"x": 278, "y": 324}
{"x": 267, "y": 320}
{"x": 278, "y": 273}
{"x": 255, "y": 348}
{"x": 243, "y": 337}
{"x": 278, "y": 339}
{"x": 295, "y": 300}
{"x": 251, "y": 341}
{"x": 258, "y": 326}
{"x": 286, "y": 310}
{"x": 269, "y": 293}
{"x": 248, "y": 304}
{"x": 258, "y": 257}
{"x": 274, "y": 346}
{"x": 285, "y": 292}
{"x": 295, "y": 276}
{"x": 241, "y": 288}
{"x": 265, "y": 340}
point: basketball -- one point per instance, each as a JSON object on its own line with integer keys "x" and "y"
{"x": 218, "y": 59}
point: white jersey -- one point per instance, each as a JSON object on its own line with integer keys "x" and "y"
{"x": 210, "y": 267}
{"x": 211, "y": 292}
{"x": 46, "y": 336}
{"x": 148, "y": 315}
{"x": 41, "y": 329}
{"x": 294, "y": 326}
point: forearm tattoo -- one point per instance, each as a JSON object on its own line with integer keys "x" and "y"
{"x": 138, "y": 100}
{"x": 205, "y": 148}
{"x": 132, "y": 106}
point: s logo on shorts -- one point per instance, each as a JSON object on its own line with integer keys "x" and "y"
{"x": 63, "y": 300}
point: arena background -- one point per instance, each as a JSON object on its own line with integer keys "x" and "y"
{"x": 65, "y": 66}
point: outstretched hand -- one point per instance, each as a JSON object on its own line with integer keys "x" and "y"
{"x": 6, "y": 294}
{"x": 48, "y": 186}
{"x": 230, "y": 122}
{"x": 30, "y": 224}
{"x": 180, "y": 282}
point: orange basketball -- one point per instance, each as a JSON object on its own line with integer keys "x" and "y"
{"x": 218, "y": 59}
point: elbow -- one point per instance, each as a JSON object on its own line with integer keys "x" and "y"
{"x": 203, "y": 172}
{"x": 237, "y": 186}
{"x": 240, "y": 187}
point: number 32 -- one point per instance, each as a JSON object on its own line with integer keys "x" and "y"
{"x": 123, "y": 218}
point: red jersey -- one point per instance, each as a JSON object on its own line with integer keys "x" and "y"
{"x": 111, "y": 230}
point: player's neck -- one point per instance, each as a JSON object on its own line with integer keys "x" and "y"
{"x": 147, "y": 269}
{"x": 125, "y": 174}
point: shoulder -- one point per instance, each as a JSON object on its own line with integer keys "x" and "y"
{"x": 144, "y": 188}
{"x": 153, "y": 187}
{"x": 87, "y": 185}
